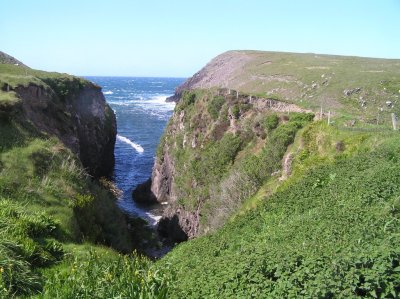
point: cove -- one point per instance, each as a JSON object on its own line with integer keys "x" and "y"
{"x": 142, "y": 115}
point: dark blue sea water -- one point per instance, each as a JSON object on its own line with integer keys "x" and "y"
{"x": 142, "y": 114}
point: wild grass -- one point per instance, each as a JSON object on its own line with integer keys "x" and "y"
{"x": 48, "y": 200}
{"x": 100, "y": 273}
{"x": 27, "y": 243}
{"x": 34, "y": 264}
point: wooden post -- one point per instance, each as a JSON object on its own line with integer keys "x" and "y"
{"x": 237, "y": 94}
{"x": 394, "y": 121}
{"x": 8, "y": 87}
{"x": 320, "y": 113}
{"x": 329, "y": 118}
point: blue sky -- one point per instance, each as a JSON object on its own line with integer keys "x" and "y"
{"x": 177, "y": 38}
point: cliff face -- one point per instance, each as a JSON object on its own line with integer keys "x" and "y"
{"x": 211, "y": 158}
{"x": 82, "y": 120}
{"x": 52, "y": 126}
{"x": 75, "y": 111}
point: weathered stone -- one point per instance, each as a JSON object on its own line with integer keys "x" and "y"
{"x": 82, "y": 121}
{"x": 142, "y": 193}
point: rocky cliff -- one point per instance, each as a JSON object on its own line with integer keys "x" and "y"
{"x": 203, "y": 170}
{"x": 217, "y": 149}
{"x": 7, "y": 59}
{"x": 82, "y": 120}
{"x": 68, "y": 107}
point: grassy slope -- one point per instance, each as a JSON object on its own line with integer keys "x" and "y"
{"x": 332, "y": 230}
{"x": 53, "y": 215}
{"x": 314, "y": 80}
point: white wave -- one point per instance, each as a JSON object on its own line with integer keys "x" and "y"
{"x": 108, "y": 92}
{"x": 158, "y": 101}
{"x": 154, "y": 217}
{"x": 130, "y": 208}
{"x": 134, "y": 145}
{"x": 120, "y": 103}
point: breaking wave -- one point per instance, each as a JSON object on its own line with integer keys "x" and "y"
{"x": 134, "y": 145}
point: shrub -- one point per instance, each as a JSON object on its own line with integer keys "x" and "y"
{"x": 301, "y": 117}
{"x": 271, "y": 122}
{"x": 188, "y": 98}
{"x": 215, "y": 106}
{"x": 236, "y": 111}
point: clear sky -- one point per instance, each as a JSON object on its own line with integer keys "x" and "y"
{"x": 178, "y": 37}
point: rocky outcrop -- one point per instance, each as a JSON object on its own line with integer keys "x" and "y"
{"x": 7, "y": 59}
{"x": 158, "y": 188}
{"x": 79, "y": 117}
{"x": 162, "y": 178}
{"x": 142, "y": 193}
{"x": 178, "y": 224}
{"x": 219, "y": 72}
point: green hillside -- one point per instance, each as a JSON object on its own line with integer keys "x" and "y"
{"x": 330, "y": 231}
{"x": 61, "y": 234}
{"x": 356, "y": 88}
{"x": 278, "y": 205}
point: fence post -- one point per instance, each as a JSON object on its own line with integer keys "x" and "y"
{"x": 329, "y": 118}
{"x": 394, "y": 121}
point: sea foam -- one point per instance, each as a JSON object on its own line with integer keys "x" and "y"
{"x": 134, "y": 145}
{"x": 108, "y": 92}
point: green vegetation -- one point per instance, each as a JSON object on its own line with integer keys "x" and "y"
{"x": 14, "y": 76}
{"x": 288, "y": 207}
{"x": 356, "y": 86}
{"x": 221, "y": 168}
{"x": 27, "y": 243}
{"x": 215, "y": 106}
{"x": 54, "y": 217}
{"x": 236, "y": 111}
{"x": 271, "y": 122}
{"x": 100, "y": 273}
{"x": 330, "y": 231}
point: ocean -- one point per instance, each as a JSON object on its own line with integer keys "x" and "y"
{"x": 142, "y": 115}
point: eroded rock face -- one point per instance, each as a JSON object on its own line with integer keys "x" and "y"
{"x": 162, "y": 178}
{"x": 179, "y": 222}
{"x": 82, "y": 120}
